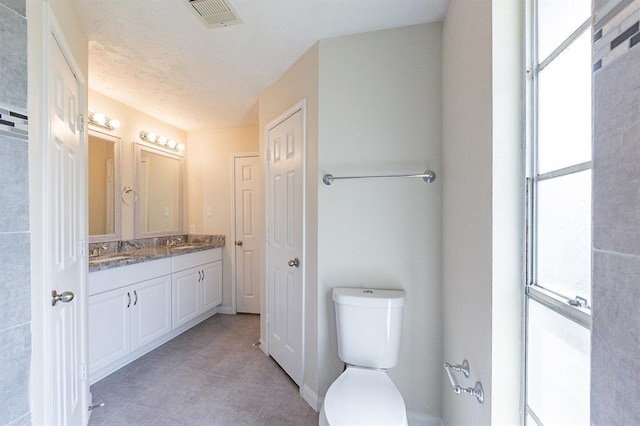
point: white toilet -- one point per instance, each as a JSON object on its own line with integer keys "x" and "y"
{"x": 369, "y": 324}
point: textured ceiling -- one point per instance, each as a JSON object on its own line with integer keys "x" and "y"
{"x": 157, "y": 56}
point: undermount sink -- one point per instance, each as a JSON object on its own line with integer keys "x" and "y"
{"x": 108, "y": 259}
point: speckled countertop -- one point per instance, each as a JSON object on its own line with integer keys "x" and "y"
{"x": 120, "y": 253}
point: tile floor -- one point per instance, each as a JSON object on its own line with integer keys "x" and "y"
{"x": 209, "y": 375}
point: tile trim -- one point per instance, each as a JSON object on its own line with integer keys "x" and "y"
{"x": 14, "y": 122}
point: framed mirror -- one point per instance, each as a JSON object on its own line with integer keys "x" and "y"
{"x": 104, "y": 181}
{"x": 158, "y": 209}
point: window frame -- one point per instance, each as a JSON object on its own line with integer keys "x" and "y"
{"x": 532, "y": 291}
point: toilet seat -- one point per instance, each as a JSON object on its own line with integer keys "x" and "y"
{"x": 364, "y": 397}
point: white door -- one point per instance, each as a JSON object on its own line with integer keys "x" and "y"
{"x": 285, "y": 239}
{"x": 248, "y": 242}
{"x": 66, "y": 259}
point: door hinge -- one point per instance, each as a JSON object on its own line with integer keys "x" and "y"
{"x": 83, "y": 371}
{"x": 82, "y": 248}
{"x": 81, "y": 122}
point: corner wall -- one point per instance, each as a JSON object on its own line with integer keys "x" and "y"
{"x": 467, "y": 205}
{"x": 483, "y": 207}
{"x": 210, "y": 182}
{"x": 299, "y": 82}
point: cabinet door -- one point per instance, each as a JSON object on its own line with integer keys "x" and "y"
{"x": 185, "y": 289}
{"x": 151, "y": 310}
{"x": 109, "y": 327}
{"x": 211, "y": 285}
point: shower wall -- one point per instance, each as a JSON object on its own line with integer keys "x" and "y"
{"x": 615, "y": 342}
{"x": 15, "y": 316}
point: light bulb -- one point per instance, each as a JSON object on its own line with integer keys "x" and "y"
{"x": 99, "y": 118}
{"x": 114, "y": 123}
{"x": 172, "y": 143}
{"x": 151, "y": 137}
{"x": 162, "y": 140}
{"x": 180, "y": 147}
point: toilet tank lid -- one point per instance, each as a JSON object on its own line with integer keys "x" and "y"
{"x": 369, "y": 297}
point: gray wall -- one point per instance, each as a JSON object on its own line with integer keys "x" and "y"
{"x": 15, "y": 316}
{"x": 615, "y": 338}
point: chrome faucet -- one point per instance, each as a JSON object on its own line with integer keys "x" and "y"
{"x": 98, "y": 251}
{"x": 173, "y": 241}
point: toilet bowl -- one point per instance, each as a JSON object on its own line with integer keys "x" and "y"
{"x": 369, "y": 324}
{"x": 363, "y": 397}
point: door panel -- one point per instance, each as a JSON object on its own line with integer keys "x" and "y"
{"x": 285, "y": 280}
{"x": 110, "y": 325}
{"x": 66, "y": 261}
{"x": 211, "y": 285}
{"x": 185, "y": 296}
{"x": 248, "y": 242}
{"x": 151, "y": 310}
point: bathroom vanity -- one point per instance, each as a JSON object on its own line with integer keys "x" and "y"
{"x": 141, "y": 300}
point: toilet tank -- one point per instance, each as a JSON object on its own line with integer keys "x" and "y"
{"x": 369, "y": 325}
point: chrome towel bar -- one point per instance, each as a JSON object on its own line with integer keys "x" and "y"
{"x": 428, "y": 176}
{"x": 476, "y": 391}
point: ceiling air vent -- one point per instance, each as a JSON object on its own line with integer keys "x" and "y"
{"x": 215, "y": 13}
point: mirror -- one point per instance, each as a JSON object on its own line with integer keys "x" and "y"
{"x": 159, "y": 190}
{"x": 104, "y": 179}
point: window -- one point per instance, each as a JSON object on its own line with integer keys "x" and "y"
{"x": 558, "y": 285}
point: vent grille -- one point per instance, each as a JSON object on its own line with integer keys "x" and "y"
{"x": 215, "y": 13}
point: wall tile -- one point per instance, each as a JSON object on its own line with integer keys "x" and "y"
{"x": 18, "y": 6}
{"x": 14, "y": 191}
{"x": 13, "y": 58}
{"x": 15, "y": 280}
{"x": 615, "y": 341}
{"x": 14, "y": 372}
{"x": 616, "y": 156}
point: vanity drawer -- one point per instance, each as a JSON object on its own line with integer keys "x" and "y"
{"x": 110, "y": 279}
{"x": 192, "y": 260}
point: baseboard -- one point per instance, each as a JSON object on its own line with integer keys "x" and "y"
{"x": 311, "y": 397}
{"x": 227, "y": 310}
{"x": 421, "y": 419}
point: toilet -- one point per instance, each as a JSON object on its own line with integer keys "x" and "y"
{"x": 369, "y": 325}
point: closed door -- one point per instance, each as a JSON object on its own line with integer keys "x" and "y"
{"x": 65, "y": 223}
{"x": 285, "y": 262}
{"x": 248, "y": 241}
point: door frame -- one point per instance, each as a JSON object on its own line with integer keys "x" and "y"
{"x": 40, "y": 200}
{"x": 234, "y": 285}
{"x": 299, "y": 106}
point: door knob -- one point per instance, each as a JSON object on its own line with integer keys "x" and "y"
{"x": 65, "y": 297}
{"x": 239, "y": 242}
{"x": 294, "y": 262}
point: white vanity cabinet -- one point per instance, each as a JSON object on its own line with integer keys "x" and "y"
{"x": 196, "y": 284}
{"x": 127, "y": 310}
{"x": 135, "y": 308}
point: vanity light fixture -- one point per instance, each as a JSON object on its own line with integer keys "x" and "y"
{"x": 161, "y": 140}
{"x": 100, "y": 119}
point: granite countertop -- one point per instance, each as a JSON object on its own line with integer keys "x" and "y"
{"x": 122, "y": 253}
